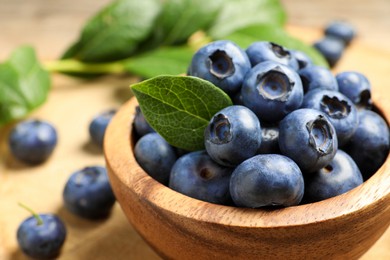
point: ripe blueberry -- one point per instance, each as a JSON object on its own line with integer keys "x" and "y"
{"x": 155, "y": 156}
{"x": 314, "y": 77}
{"x": 88, "y": 193}
{"x": 341, "y": 112}
{"x": 331, "y": 48}
{"x": 32, "y": 141}
{"x": 341, "y": 30}
{"x": 307, "y": 136}
{"x": 267, "y": 180}
{"x": 356, "y": 87}
{"x": 223, "y": 63}
{"x": 41, "y": 236}
{"x": 198, "y": 176}
{"x": 338, "y": 177}
{"x": 268, "y": 51}
{"x": 272, "y": 90}
{"x": 98, "y": 125}
{"x": 369, "y": 145}
{"x": 232, "y": 135}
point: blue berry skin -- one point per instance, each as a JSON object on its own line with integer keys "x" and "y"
{"x": 88, "y": 193}
{"x": 331, "y": 48}
{"x": 369, "y": 145}
{"x": 307, "y": 136}
{"x": 32, "y": 141}
{"x": 140, "y": 125}
{"x": 98, "y": 125}
{"x": 198, "y": 176}
{"x": 42, "y": 241}
{"x": 314, "y": 77}
{"x": 269, "y": 139}
{"x": 267, "y": 180}
{"x": 268, "y": 51}
{"x": 356, "y": 87}
{"x": 302, "y": 58}
{"x": 155, "y": 156}
{"x": 341, "y": 30}
{"x": 223, "y": 63}
{"x": 340, "y": 110}
{"x": 336, "y": 178}
{"x": 272, "y": 90}
{"x": 232, "y": 135}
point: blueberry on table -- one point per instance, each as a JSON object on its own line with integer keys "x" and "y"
{"x": 356, "y": 87}
{"x": 369, "y": 145}
{"x": 98, "y": 125}
{"x": 198, "y": 176}
{"x": 338, "y": 177}
{"x": 331, "y": 48}
{"x": 232, "y": 135}
{"x": 268, "y": 51}
{"x": 308, "y": 137}
{"x": 88, "y": 193}
{"x": 314, "y": 77}
{"x": 41, "y": 236}
{"x": 272, "y": 90}
{"x": 32, "y": 141}
{"x": 340, "y": 110}
{"x": 155, "y": 156}
{"x": 341, "y": 30}
{"x": 267, "y": 180}
{"x": 223, "y": 63}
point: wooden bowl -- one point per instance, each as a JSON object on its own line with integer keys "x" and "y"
{"x": 180, "y": 227}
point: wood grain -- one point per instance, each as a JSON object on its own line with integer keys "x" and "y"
{"x": 51, "y": 26}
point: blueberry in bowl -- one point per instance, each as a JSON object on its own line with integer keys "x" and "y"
{"x": 344, "y": 226}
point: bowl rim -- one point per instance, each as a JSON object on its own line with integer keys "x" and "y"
{"x": 373, "y": 194}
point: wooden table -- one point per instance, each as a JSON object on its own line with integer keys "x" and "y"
{"x": 51, "y": 26}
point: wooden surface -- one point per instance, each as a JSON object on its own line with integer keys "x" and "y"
{"x": 51, "y": 26}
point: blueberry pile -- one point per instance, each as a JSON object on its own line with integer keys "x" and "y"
{"x": 296, "y": 133}
{"x": 86, "y": 194}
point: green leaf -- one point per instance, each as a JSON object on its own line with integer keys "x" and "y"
{"x": 116, "y": 31}
{"x": 276, "y": 34}
{"x": 166, "y": 60}
{"x": 180, "y": 107}
{"x": 238, "y": 14}
{"x": 179, "y": 19}
{"x": 24, "y": 85}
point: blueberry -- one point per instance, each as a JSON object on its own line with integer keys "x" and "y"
{"x": 341, "y": 30}
{"x": 341, "y": 112}
{"x": 198, "y": 176}
{"x": 356, "y": 87}
{"x": 32, "y": 141}
{"x": 88, "y": 193}
{"x": 140, "y": 125}
{"x": 314, "y": 77}
{"x": 272, "y": 90}
{"x": 369, "y": 145}
{"x": 267, "y": 180}
{"x": 155, "y": 156}
{"x": 43, "y": 238}
{"x": 223, "y": 63}
{"x": 98, "y": 125}
{"x": 331, "y": 48}
{"x": 302, "y": 58}
{"x": 232, "y": 135}
{"x": 268, "y": 51}
{"x": 338, "y": 177}
{"x": 307, "y": 136}
{"x": 269, "y": 139}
